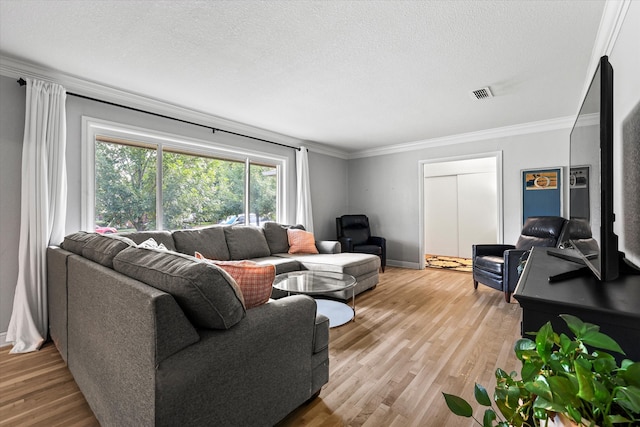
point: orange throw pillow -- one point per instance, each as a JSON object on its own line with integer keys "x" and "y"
{"x": 301, "y": 242}
{"x": 253, "y": 279}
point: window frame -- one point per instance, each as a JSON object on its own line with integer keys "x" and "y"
{"x": 93, "y": 127}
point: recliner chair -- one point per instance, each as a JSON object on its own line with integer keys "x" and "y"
{"x": 496, "y": 265}
{"x": 354, "y": 235}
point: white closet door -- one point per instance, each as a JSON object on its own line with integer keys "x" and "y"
{"x": 441, "y": 215}
{"x": 477, "y": 211}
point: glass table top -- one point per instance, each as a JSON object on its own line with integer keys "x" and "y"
{"x": 313, "y": 282}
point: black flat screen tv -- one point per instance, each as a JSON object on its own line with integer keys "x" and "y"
{"x": 591, "y": 178}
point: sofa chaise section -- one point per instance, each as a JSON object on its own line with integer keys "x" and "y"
{"x": 139, "y": 359}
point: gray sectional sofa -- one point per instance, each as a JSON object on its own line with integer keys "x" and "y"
{"x": 157, "y": 337}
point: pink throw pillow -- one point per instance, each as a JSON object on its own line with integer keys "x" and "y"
{"x": 301, "y": 242}
{"x": 253, "y": 279}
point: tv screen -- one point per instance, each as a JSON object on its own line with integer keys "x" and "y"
{"x": 591, "y": 178}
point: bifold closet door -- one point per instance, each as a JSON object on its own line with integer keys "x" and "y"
{"x": 441, "y": 215}
{"x": 477, "y": 211}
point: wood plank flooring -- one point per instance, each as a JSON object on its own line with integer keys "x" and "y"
{"x": 417, "y": 334}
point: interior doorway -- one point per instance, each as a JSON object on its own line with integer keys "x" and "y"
{"x": 461, "y": 204}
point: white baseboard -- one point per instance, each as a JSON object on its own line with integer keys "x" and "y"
{"x": 3, "y": 342}
{"x": 404, "y": 264}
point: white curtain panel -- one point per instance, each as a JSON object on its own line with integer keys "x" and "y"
{"x": 303, "y": 210}
{"x": 43, "y": 210}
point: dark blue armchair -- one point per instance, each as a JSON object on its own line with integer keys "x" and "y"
{"x": 497, "y": 265}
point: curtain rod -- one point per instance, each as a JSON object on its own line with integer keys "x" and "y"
{"x": 23, "y": 82}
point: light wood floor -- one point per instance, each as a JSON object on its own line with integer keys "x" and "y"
{"x": 417, "y": 334}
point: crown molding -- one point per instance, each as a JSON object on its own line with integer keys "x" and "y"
{"x": 16, "y": 68}
{"x": 502, "y": 132}
{"x": 610, "y": 25}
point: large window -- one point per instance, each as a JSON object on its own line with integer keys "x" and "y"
{"x": 145, "y": 181}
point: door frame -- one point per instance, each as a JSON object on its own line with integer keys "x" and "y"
{"x": 497, "y": 156}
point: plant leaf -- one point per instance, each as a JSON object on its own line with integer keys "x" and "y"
{"x": 618, "y": 419}
{"x": 544, "y": 341}
{"x": 529, "y": 371}
{"x": 513, "y": 396}
{"x": 600, "y": 340}
{"x": 562, "y": 390}
{"x": 631, "y": 374}
{"x": 629, "y": 397}
{"x": 540, "y": 387}
{"x": 542, "y": 403}
{"x": 458, "y": 405}
{"x": 489, "y": 418}
{"x": 574, "y": 413}
{"x": 601, "y": 393}
{"x": 523, "y": 348}
{"x": 604, "y": 364}
{"x": 575, "y": 325}
{"x": 481, "y": 395}
{"x": 584, "y": 376}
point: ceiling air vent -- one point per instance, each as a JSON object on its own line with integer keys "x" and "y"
{"x": 483, "y": 93}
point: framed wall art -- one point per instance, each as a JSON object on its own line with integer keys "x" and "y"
{"x": 541, "y": 193}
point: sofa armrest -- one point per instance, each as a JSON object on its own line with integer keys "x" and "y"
{"x": 511, "y": 262}
{"x": 321, "y": 333}
{"x": 57, "y": 297}
{"x": 328, "y": 246}
{"x": 268, "y": 357}
{"x": 492, "y": 249}
{"x": 379, "y": 241}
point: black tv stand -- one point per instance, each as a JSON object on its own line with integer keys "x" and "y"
{"x": 625, "y": 266}
{"x": 612, "y": 305}
{"x": 566, "y": 253}
{"x": 571, "y": 274}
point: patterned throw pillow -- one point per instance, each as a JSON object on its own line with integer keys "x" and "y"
{"x": 151, "y": 243}
{"x": 253, "y": 279}
{"x": 301, "y": 242}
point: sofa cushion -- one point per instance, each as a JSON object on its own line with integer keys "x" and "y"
{"x": 276, "y": 235}
{"x": 351, "y": 263}
{"x": 301, "y": 242}
{"x": 75, "y": 242}
{"x": 162, "y": 237}
{"x": 245, "y": 242}
{"x": 491, "y": 263}
{"x": 209, "y": 241}
{"x": 282, "y": 265}
{"x": 209, "y": 297}
{"x": 103, "y": 248}
{"x": 254, "y": 280}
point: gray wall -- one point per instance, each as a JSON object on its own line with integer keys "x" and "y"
{"x": 12, "y": 104}
{"x": 328, "y": 180}
{"x": 384, "y": 187}
{"x": 387, "y": 188}
{"x": 625, "y": 60}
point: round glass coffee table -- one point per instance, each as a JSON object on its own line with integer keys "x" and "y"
{"x": 321, "y": 282}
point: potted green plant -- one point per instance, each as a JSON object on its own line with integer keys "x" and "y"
{"x": 562, "y": 379}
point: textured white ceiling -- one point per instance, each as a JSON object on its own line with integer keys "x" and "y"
{"x": 350, "y": 74}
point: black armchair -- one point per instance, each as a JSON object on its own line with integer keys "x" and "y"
{"x": 497, "y": 265}
{"x": 354, "y": 235}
